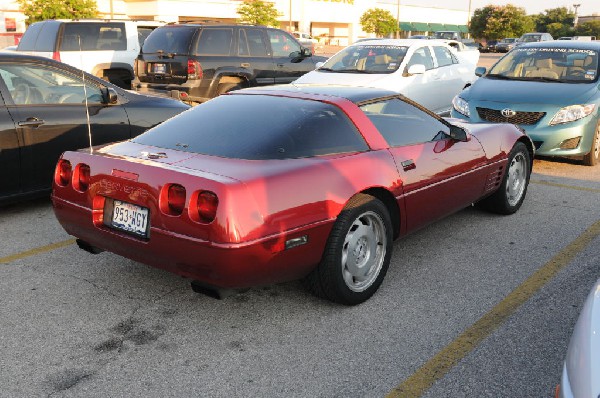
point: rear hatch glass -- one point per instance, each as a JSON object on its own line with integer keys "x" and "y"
{"x": 164, "y": 55}
{"x": 258, "y": 127}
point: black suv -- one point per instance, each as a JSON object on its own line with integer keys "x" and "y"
{"x": 197, "y": 62}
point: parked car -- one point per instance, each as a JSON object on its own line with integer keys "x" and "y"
{"x": 549, "y": 89}
{"x": 506, "y": 44}
{"x": 565, "y": 38}
{"x": 306, "y": 40}
{"x": 307, "y": 182}
{"x": 9, "y": 48}
{"x": 582, "y": 364}
{"x": 43, "y": 112}
{"x": 198, "y": 62}
{"x": 427, "y": 71}
{"x": 104, "y": 48}
{"x": 533, "y": 37}
{"x": 489, "y": 46}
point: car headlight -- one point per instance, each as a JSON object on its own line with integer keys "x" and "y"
{"x": 572, "y": 113}
{"x": 461, "y": 106}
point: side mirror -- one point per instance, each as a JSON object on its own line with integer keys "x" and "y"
{"x": 319, "y": 64}
{"x": 305, "y": 52}
{"x": 480, "y": 71}
{"x": 459, "y": 134}
{"x": 417, "y": 69}
{"x": 109, "y": 95}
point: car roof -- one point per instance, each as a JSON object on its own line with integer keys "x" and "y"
{"x": 574, "y": 44}
{"x": 353, "y": 94}
{"x": 397, "y": 42}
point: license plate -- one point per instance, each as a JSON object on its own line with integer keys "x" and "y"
{"x": 130, "y": 218}
{"x": 159, "y": 68}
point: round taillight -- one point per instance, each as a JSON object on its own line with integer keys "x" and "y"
{"x": 176, "y": 199}
{"x": 63, "y": 172}
{"x": 207, "y": 206}
{"x": 83, "y": 177}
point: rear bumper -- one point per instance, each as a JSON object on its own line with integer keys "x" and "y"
{"x": 229, "y": 266}
{"x": 178, "y": 91}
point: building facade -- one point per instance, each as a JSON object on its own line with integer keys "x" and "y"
{"x": 334, "y": 22}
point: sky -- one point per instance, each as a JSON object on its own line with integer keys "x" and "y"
{"x": 588, "y": 7}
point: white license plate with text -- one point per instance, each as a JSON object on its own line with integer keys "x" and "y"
{"x": 130, "y": 218}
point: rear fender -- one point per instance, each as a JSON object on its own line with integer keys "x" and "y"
{"x": 231, "y": 75}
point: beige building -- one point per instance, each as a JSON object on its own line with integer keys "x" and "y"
{"x": 334, "y": 22}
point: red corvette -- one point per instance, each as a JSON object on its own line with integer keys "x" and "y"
{"x": 267, "y": 185}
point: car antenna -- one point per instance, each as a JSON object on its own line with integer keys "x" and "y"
{"x": 87, "y": 110}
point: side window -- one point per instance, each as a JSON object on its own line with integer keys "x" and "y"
{"x": 257, "y": 47}
{"x": 421, "y": 56}
{"x": 36, "y": 85}
{"x": 215, "y": 41}
{"x": 105, "y": 36}
{"x": 443, "y": 56}
{"x": 401, "y": 123}
{"x": 282, "y": 43}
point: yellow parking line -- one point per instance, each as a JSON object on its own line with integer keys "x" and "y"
{"x": 553, "y": 184}
{"x": 420, "y": 381}
{"x": 37, "y": 250}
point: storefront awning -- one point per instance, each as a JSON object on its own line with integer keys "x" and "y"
{"x": 463, "y": 28}
{"x": 406, "y": 26}
{"x": 421, "y": 27}
{"x": 451, "y": 27}
{"x": 434, "y": 27}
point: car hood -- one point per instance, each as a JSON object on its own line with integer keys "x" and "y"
{"x": 533, "y": 92}
{"x": 353, "y": 79}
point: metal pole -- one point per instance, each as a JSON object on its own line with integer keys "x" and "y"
{"x": 290, "y": 23}
{"x": 576, "y": 6}
{"x": 398, "y": 20}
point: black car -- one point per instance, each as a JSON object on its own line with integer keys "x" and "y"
{"x": 489, "y": 46}
{"x": 198, "y": 62}
{"x": 44, "y": 108}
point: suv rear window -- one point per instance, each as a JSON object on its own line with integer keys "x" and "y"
{"x": 104, "y": 36}
{"x": 40, "y": 36}
{"x": 262, "y": 127}
{"x": 175, "y": 40}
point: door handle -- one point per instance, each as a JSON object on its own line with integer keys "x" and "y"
{"x": 408, "y": 165}
{"x": 245, "y": 65}
{"x": 31, "y": 122}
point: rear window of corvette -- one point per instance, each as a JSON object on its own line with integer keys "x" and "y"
{"x": 258, "y": 127}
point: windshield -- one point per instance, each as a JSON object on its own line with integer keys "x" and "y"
{"x": 369, "y": 58}
{"x": 509, "y": 40}
{"x": 565, "y": 65}
{"x": 530, "y": 38}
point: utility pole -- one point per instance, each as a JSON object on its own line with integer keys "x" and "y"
{"x": 398, "y": 20}
{"x": 290, "y": 24}
{"x": 576, "y": 6}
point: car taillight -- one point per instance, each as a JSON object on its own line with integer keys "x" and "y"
{"x": 82, "y": 177}
{"x": 56, "y": 56}
{"x": 176, "y": 199}
{"x": 194, "y": 69}
{"x": 206, "y": 204}
{"x": 63, "y": 173}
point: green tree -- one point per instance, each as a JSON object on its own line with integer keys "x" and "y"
{"x": 40, "y": 10}
{"x": 258, "y": 12}
{"x": 378, "y": 21}
{"x": 556, "y": 21}
{"x": 591, "y": 28}
{"x": 496, "y": 22}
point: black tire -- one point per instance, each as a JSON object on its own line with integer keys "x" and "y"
{"x": 363, "y": 233}
{"x": 510, "y": 195}
{"x": 593, "y": 158}
{"x": 227, "y": 87}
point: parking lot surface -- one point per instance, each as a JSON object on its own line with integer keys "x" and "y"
{"x": 477, "y": 305}
{"x": 76, "y": 324}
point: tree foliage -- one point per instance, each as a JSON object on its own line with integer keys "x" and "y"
{"x": 591, "y": 28}
{"x": 40, "y": 10}
{"x": 556, "y": 21}
{"x": 258, "y": 12}
{"x": 378, "y": 21}
{"x": 496, "y": 22}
